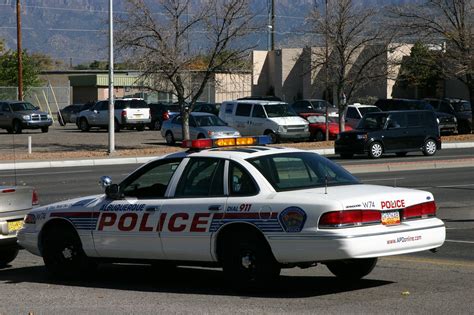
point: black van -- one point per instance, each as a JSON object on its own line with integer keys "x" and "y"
{"x": 448, "y": 123}
{"x": 397, "y": 132}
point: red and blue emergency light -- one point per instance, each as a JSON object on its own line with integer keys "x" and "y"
{"x": 225, "y": 142}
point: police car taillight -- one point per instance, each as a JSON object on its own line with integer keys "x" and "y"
{"x": 349, "y": 218}
{"x": 225, "y": 142}
{"x": 420, "y": 211}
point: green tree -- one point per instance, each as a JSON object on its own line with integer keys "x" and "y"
{"x": 9, "y": 70}
{"x": 421, "y": 70}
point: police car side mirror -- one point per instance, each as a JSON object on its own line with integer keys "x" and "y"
{"x": 113, "y": 192}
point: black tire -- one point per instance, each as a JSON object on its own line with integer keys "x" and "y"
{"x": 249, "y": 262}
{"x": 401, "y": 154}
{"x": 169, "y": 138}
{"x": 117, "y": 126}
{"x": 16, "y": 127}
{"x": 7, "y": 256}
{"x": 346, "y": 155}
{"x": 273, "y": 137}
{"x": 62, "y": 253}
{"x": 319, "y": 136}
{"x": 429, "y": 148}
{"x": 44, "y": 129}
{"x": 157, "y": 125}
{"x": 9, "y": 130}
{"x": 140, "y": 127}
{"x": 84, "y": 125}
{"x": 375, "y": 150}
{"x": 352, "y": 269}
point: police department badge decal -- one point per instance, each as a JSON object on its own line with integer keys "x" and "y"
{"x": 292, "y": 219}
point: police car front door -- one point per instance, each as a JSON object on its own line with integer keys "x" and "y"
{"x": 187, "y": 218}
{"x": 130, "y": 227}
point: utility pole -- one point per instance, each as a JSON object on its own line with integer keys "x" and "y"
{"x": 326, "y": 34}
{"x": 18, "y": 50}
{"x": 111, "y": 81}
{"x": 271, "y": 25}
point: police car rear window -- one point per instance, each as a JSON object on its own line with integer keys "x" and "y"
{"x": 301, "y": 170}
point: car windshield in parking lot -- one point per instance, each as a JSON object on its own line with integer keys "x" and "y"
{"x": 462, "y": 107}
{"x": 208, "y": 120}
{"x": 302, "y": 170}
{"x": 279, "y": 110}
{"x": 17, "y": 107}
{"x": 372, "y": 121}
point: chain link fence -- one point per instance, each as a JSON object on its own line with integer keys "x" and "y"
{"x": 48, "y": 98}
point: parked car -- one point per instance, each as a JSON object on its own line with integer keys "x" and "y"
{"x": 317, "y": 126}
{"x": 129, "y": 113}
{"x": 461, "y": 109}
{"x": 276, "y": 119}
{"x": 18, "y": 115}
{"x": 394, "y": 131}
{"x": 160, "y": 112}
{"x": 201, "y": 125}
{"x": 206, "y": 108}
{"x": 15, "y": 203}
{"x": 447, "y": 122}
{"x": 69, "y": 113}
{"x": 355, "y": 112}
{"x": 314, "y": 106}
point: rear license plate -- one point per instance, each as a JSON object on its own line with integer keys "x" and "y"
{"x": 137, "y": 115}
{"x": 390, "y": 217}
{"x": 14, "y": 225}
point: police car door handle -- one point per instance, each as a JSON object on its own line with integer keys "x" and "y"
{"x": 214, "y": 208}
{"x": 152, "y": 209}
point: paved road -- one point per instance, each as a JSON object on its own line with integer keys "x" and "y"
{"x": 417, "y": 283}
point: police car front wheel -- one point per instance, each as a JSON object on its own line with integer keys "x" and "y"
{"x": 7, "y": 256}
{"x": 63, "y": 254}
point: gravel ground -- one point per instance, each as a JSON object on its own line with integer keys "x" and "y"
{"x": 69, "y": 143}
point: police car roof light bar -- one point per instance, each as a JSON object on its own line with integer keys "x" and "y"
{"x": 225, "y": 142}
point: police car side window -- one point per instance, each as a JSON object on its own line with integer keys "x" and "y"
{"x": 202, "y": 177}
{"x": 240, "y": 181}
{"x": 152, "y": 182}
{"x": 258, "y": 111}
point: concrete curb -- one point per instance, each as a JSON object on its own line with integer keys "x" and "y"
{"x": 144, "y": 159}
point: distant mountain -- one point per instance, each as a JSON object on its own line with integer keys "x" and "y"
{"x": 76, "y": 31}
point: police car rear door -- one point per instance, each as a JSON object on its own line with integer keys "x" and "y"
{"x": 198, "y": 199}
{"x": 130, "y": 227}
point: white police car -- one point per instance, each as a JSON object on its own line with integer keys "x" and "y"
{"x": 249, "y": 209}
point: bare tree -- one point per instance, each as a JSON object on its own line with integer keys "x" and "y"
{"x": 169, "y": 41}
{"x": 451, "y": 22}
{"x": 357, "y": 45}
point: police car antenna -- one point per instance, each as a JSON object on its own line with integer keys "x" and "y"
{"x": 326, "y": 184}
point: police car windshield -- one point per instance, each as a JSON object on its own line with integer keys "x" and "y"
{"x": 372, "y": 121}
{"x": 301, "y": 170}
{"x": 279, "y": 110}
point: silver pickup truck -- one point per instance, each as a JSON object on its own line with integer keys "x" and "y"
{"x": 15, "y": 203}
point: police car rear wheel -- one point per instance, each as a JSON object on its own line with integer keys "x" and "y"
{"x": 249, "y": 262}
{"x": 7, "y": 256}
{"x": 352, "y": 269}
{"x": 63, "y": 255}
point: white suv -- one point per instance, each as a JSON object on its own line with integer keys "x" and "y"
{"x": 356, "y": 111}
{"x": 256, "y": 117}
{"x": 129, "y": 113}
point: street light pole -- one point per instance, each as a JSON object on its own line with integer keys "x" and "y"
{"x": 18, "y": 51}
{"x": 111, "y": 81}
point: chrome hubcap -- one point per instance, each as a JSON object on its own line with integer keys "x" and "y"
{"x": 431, "y": 147}
{"x": 376, "y": 150}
